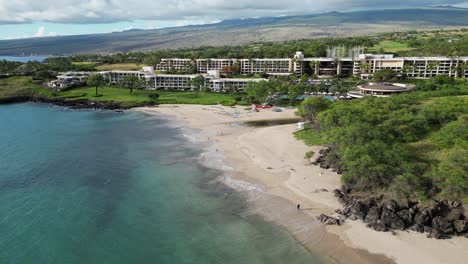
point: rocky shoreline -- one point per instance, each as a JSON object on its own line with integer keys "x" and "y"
{"x": 438, "y": 219}
{"x": 73, "y": 104}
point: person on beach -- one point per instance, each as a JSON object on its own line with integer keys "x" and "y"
{"x": 298, "y": 206}
{"x": 225, "y": 195}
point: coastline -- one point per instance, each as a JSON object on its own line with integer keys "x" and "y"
{"x": 266, "y": 163}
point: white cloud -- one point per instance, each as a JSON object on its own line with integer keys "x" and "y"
{"x": 41, "y": 32}
{"x": 107, "y": 11}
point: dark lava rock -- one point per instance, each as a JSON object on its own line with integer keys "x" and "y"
{"x": 328, "y": 220}
{"x": 455, "y": 214}
{"x": 359, "y": 210}
{"x": 422, "y": 218}
{"x": 456, "y": 204}
{"x": 461, "y": 226}
{"x": 378, "y": 226}
{"x": 391, "y": 219}
{"x": 412, "y": 212}
{"x": 442, "y": 224}
{"x": 338, "y": 194}
{"x": 427, "y": 229}
{"x": 437, "y": 234}
{"x": 373, "y": 215}
{"x": 405, "y": 216}
{"x": 345, "y": 211}
{"x": 392, "y": 205}
{"x": 417, "y": 228}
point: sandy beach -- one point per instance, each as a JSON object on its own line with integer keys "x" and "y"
{"x": 267, "y": 163}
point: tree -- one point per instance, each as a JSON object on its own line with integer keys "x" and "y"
{"x": 312, "y": 106}
{"x": 131, "y": 82}
{"x": 295, "y": 90}
{"x": 385, "y": 75}
{"x": 257, "y": 91}
{"x": 96, "y": 80}
{"x": 364, "y": 67}
{"x": 197, "y": 82}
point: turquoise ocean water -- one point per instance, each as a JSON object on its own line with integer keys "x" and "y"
{"x": 104, "y": 187}
{"x": 38, "y": 58}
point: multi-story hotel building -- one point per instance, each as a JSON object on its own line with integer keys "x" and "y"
{"x": 363, "y": 65}
{"x": 205, "y": 65}
{"x": 175, "y": 64}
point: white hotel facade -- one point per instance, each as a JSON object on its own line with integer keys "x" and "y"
{"x": 364, "y": 66}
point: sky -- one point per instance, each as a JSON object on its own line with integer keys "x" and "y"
{"x": 42, "y": 18}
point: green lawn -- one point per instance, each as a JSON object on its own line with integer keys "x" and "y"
{"x": 140, "y": 96}
{"x": 311, "y": 137}
{"x": 19, "y": 86}
{"x": 119, "y": 67}
{"x": 390, "y": 46}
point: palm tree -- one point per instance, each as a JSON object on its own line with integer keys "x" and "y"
{"x": 96, "y": 80}
{"x": 364, "y": 67}
{"x": 407, "y": 68}
{"x": 131, "y": 82}
{"x": 461, "y": 68}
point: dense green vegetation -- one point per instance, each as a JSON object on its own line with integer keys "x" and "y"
{"x": 409, "y": 146}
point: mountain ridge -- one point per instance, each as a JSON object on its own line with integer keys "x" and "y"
{"x": 244, "y": 31}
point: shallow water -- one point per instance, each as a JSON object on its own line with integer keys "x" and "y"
{"x": 102, "y": 187}
{"x": 38, "y": 58}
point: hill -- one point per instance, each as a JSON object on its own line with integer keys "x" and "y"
{"x": 242, "y": 31}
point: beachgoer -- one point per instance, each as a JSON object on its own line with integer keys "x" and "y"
{"x": 225, "y": 195}
{"x": 298, "y": 206}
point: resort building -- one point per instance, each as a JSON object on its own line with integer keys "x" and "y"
{"x": 69, "y": 79}
{"x": 381, "y": 89}
{"x": 231, "y": 84}
{"x": 115, "y": 77}
{"x": 360, "y": 65}
{"x": 268, "y": 66}
{"x": 356, "y": 64}
{"x": 224, "y": 65}
{"x": 175, "y": 64}
{"x": 179, "y": 82}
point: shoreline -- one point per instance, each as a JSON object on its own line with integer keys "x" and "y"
{"x": 261, "y": 197}
{"x": 268, "y": 166}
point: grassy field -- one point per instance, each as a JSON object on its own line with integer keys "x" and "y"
{"x": 140, "y": 96}
{"x": 119, "y": 67}
{"x": 84, "y": 63}
{"x": 19, "y": 86}
{"x": 24, "y": 86}
{"x": 310, "y": 137}
{"x": 390, "y": 46}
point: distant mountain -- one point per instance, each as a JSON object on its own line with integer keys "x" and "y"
{"x": 242, "y": 31}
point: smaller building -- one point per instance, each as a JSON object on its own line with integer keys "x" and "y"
{"x": 381, "y": 89}
{"x": 230, "y": 84}
{"x": 69, "y": 79}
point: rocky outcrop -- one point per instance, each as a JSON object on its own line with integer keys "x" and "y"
{"x": 327, "y": 159}
{"x": 74, "y": 104}
{"x": 439, "y": 219}
{"x": 328, "y": 220}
